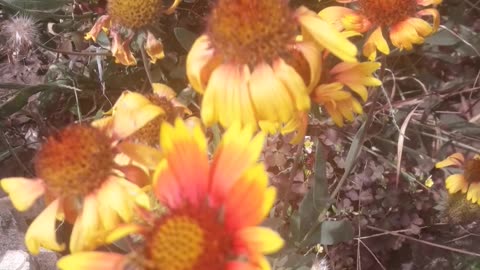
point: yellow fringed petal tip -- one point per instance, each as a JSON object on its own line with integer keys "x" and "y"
{"x": 456, "y": 159}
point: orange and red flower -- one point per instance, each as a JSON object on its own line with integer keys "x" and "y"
{"x": 213, "y": 208}
{"x": 402, "y": 19}
{"x": 251, "y": 67}
{"x": 82, "y": 184}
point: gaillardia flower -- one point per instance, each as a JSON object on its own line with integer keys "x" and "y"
{"x": 466, "y": 182}
{"x": 82, "y": 184}
{"x": 125, "y": 19}
{"x": 213, "y": 209}
{"x": 402, "y": 19}
{"x": 251, "y": 67}
{"x": 340, "y": 103}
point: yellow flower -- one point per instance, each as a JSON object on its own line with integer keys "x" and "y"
{"x": 214, "y": 209}
{"x": 82, "y": 184}
{"x": 401, "y": 18}
{"x": 466, "y": 182}
{"x": 341, "y": 104}
{"x": 132, "y": 16}
{"x": 252, "y": 69}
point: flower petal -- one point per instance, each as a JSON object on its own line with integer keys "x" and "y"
{"x": 456, "y": 159}
{"x": 199, "y": 62}
{"x": 42, "y": 231}
{"x": 375, "y": 42}
{"x": 259, "y": 240}
{"x": 455, "y": 183}
{"x": 93, "y": 261}
{"x": 326, "y": 35}
{"x": 87, "y": 227}
{"x": 23, "y": 192}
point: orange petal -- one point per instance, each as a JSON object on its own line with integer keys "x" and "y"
{"x": 23, "y": 192}
{"x": 121, "y": 50}
{"x": 102, "y": 23}
{"x": 93, "y": 261}
{"x": 154, "y": 48}
{"x": 313, "y": 55}
{"x": 186, "y": 153}
{"x": 238, "y": 151}
{"x": 42, "y": 231}
{"x": 456, "y": 159}
{"x": 435, "y": 15}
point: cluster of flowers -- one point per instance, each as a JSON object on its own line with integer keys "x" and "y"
{"x": 259, "y": 66}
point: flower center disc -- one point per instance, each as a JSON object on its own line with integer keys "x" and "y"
{"x": 388, "y": 12}
{"x": 134, "y": 13}
{"x": 75, "y": 161}
{"x": 183, "y": 241}
{"x": 472, "y": 170}
{"x": 250, "y": 31}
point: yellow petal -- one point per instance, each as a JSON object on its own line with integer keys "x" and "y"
{"x": 122, "y": 231}
{"x": 121, "y": 50}
{"x": 87, "y": 226}
{"x": 163, "y": 90}
{"x": 455, "y": 183}
{"x": 198, "y": 59}
{"x": 326, "y": 35}
{"x": 42, "y": 231}
{"x": 143, "y": 154}
{"x": 293, "y": 83}
{"x": 473, "y": 193}
{"x": 93, "y": 261}
{"x": 261, "y": 239}
{"x": 313, "y": 55}
{"x": 375, "y": 42}
{"x": 456, "y": 159}
{"x": 23, "y": 192}
{"x": 133, "y": 111}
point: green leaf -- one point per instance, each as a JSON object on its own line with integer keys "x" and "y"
{"x": 316, "y": 200}
{"x": 38, "y": 5}
{"x": 185, "y": 37}
{"x": 336, "y": 231}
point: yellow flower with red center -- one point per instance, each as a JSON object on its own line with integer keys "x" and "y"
{"x": 82, "y": 184}
{"x": 466, "y": 182}
{"x": 341, "y": 104}
{"x": 251, "y": 68}
{"x": 131, "y": 16}
{"x": 213, "y": 208}
{"x": 402, "y": 19}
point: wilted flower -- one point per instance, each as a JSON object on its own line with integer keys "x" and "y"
{"x": 19, "y": 34}
{"x": 402, "y": 19}
{"x": 251, "y": 66}
{"x": 82, "y": 184}
{"x": 125, "y": 19}
{"x": 214, "y": 209}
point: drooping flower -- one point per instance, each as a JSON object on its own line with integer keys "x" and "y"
{"x": 402, "y": 19}
{"x": 250, "y": 66}
{"x": 131, "y": 17}
{"x": 345, "y": 85}
{"x": 466, "y": 182}
{"x": 213, "y": 209}
{"x": 82, "y": 184}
